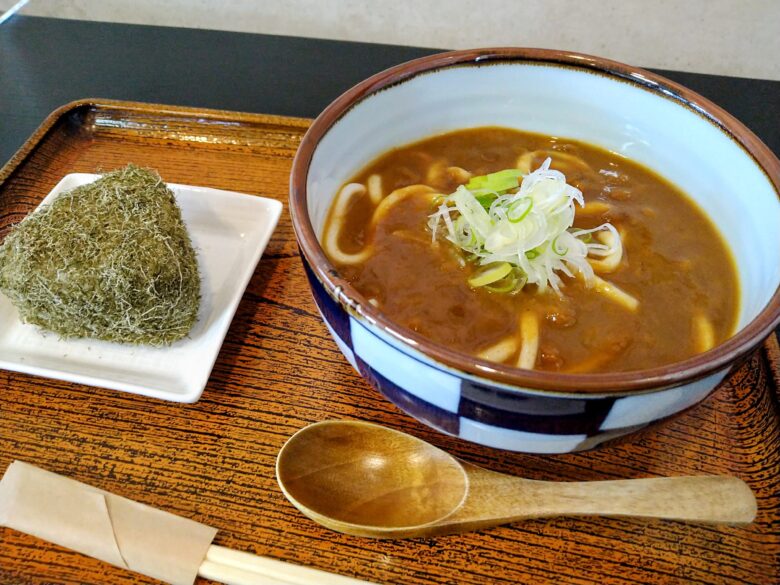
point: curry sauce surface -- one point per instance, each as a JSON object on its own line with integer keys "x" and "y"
{"x": 674, "y": 260}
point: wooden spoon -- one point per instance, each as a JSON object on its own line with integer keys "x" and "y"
{"x": 368, "y": 480}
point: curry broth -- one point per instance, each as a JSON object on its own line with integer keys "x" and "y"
{"x": 674, "y": 261}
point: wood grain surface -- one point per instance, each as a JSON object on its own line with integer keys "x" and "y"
{"x": 279, "y": 370}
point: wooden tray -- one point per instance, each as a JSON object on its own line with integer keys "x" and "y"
{"x": 279, "y": 370}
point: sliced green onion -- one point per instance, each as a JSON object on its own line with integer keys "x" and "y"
{"x": 486, "y": 200}
{"x": 460, "y": 224}
{"x": 518, "y": 210}
{"x": 505, "y": 285}
{"x": 555, "y": 247}
{"x": 514, "y": 281}
{"x": 490, "y": 273}
{"x": 531, "y": 254}
{"x": 500, "y": 181}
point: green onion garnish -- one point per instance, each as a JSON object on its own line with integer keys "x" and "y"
{"x": 555, "y": 249}
{"x": 513, "y": 281}
{"x": 490, "y": 273}
{"x": 496, "y": 182}
{"x": 520, "y": 235}
{"x": 519, "y": 210}
{"x": 486, "y": 200}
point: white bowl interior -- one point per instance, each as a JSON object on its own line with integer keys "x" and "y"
{"x": 664, "y": 135}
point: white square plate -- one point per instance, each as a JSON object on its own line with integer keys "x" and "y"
{"x": 229, "y": 232}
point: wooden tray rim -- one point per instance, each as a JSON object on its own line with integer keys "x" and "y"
{"x": 29, "y": 145}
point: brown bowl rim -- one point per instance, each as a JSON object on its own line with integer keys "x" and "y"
{"x": 660, "y": 377}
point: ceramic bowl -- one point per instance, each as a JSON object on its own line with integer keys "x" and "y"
{"x": 687, "y": 139}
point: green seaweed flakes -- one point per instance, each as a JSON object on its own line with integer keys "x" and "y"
{"x": 110, "y": 260}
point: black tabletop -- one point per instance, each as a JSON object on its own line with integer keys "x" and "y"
{"x": 45, "y": 63}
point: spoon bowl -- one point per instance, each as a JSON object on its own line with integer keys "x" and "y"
{"x": 368, "y": 480}
{"x": 353, "y": 474}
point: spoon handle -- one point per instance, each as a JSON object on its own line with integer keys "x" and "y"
{"x": 709, "y": 499}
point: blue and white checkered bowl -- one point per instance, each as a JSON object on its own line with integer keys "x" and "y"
{"x": 692, "y": 142}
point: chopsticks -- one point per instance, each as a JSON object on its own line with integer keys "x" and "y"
{"x": 239, "y": 568}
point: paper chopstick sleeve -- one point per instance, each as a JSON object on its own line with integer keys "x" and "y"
{"x": 103, "y": 525}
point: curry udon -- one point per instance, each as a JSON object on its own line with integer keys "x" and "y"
{"x": 593, "y": 264}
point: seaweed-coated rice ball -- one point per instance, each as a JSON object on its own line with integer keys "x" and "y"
{"x": 110, "y": 260}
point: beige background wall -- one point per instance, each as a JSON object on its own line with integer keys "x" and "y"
{"x": 729, "y": 37}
